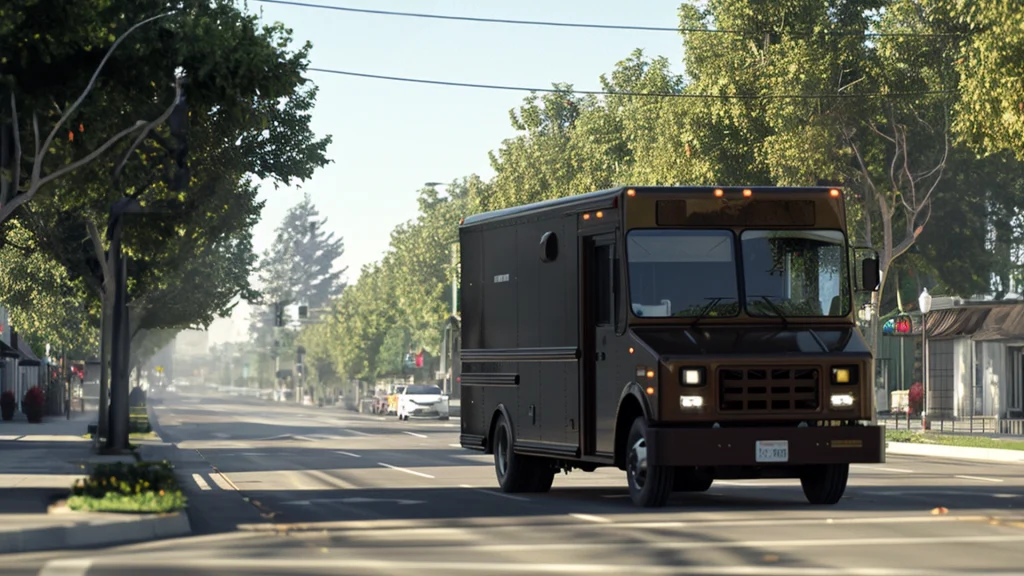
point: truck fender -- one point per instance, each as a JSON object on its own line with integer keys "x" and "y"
{"x": 499, "y": 411}
{"x": 633, "y": 389}
{"x": 622, "y": 428}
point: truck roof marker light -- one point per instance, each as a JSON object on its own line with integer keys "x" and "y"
{"x": 630, "y": 192}
{"x": 599, "y": 214}
{"x": 630, "y": 349}
{"x": 747, "y": 192}
{"x": 586, "y": 216}
{"x": 719, "y": 192}
{"x": 834, "y": 193}
{"x": 650, "y": 374}
{"x": 650, "y": 390}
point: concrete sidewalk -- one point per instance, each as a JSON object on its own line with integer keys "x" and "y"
{"x": 38, "y": 465}
{"x": 956, "y": 452}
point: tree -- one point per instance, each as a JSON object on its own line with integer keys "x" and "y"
{"x": 988, "y": 51}
{"x": 300, "y": 266}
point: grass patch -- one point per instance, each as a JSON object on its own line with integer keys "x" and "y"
{"x": 141, "y": 487}
{"x": 952, "y": 440}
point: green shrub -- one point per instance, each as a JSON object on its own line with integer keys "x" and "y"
{"x": 123, "y": 487}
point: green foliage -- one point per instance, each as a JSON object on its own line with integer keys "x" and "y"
{"x": 248, "y": 117}
{"x": 121, "y": 487}
{"x": 888, "y": 107}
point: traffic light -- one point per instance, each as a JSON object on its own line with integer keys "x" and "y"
{"x": 278, "y": 315}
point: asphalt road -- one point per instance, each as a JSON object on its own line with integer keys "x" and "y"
{"x": 281, "y": 489}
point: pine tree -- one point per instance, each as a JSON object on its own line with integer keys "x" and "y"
{"x": 299, "y": 266}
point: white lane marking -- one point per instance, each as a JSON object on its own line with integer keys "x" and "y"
{"x": 356, "y": 432}
{"x": 66, "y": 567}
{"x": 200, "y": 482}
{"x": 406, "y": 470}
{"x": 343, "y": 453}
{"x": 221, "y": 481}
{"x": 493, "y": 493}
{"x": 414, "y": 434}
{"x": 304, "y": 438}
{"x": 755, "y": 483}
{"x": 982, "y": 478}
{"x": 590, "y": 518}
{"x": 379, "y": 566}
{"x": 456, "y": 445}
{"x": 768, "y": 544}
{"x": 882, "y": 469}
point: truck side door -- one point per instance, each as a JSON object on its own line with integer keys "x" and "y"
{"x": 601, "y": 387}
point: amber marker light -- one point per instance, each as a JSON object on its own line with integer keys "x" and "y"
{"x": 630, "y": 192}
{"x": 719, "y": 192}
{"x": 650, "y": 373}
{"x": 586, "y": 216}
{"x": 631, "y": 350}
{"x": 747, "y": 192}
{"x": 600, "y": 214}
{"x": 650, "y": 390}
{"x": 833, "y": 193}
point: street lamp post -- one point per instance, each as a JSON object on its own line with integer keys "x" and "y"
{"x": 925, "y": 303}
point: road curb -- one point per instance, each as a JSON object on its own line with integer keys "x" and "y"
{"x": 89, "y": 534}
{"x": 956, "y": 452}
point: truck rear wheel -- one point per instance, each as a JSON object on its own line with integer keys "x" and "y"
{"x": 825, "y": 484}
{"x": 516, "y": 472}
{"x": 691, "y": 479}
{"x": 649, "y": 485}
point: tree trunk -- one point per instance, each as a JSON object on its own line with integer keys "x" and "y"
{"x": 106, "y": 333}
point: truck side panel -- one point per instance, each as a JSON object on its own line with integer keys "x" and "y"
{"x": 525, "y": 332}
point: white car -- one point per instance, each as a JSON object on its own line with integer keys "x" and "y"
{"x": 422, "y": 400}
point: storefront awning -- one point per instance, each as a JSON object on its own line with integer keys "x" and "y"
{"x": 980, "y": 323}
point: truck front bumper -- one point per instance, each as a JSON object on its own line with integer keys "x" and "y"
{"x": 768, "y": 446}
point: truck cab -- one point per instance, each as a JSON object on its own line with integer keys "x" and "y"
{"x": 693, "y": 333}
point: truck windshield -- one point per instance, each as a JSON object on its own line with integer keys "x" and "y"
{"x": 682, "y": 273}
{"x": 795, "y": 273}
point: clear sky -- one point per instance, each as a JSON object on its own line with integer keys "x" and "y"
{"x": 390, "y": 138}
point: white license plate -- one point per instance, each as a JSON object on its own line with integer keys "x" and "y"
{"x": 772, "y": 451}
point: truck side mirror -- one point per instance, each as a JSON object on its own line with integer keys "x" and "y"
{"x": 870, "y": 276}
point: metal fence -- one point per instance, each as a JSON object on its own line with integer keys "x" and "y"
{"x": 989, "y": 425}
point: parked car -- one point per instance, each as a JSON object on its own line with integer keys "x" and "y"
{"x": 422, "y": 401}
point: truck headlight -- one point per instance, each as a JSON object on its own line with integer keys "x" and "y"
{"x": 842, "y": 400}
{"x": 691, "y": 376}
{"x": 686, "y": 402}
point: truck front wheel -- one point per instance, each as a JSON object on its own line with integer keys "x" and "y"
{"x": 650, "y": 485}
{"x": 825, "y": 484}
{"x": 516, "y": 472}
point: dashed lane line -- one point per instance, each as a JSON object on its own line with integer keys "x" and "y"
{"x": 406, "y": 470}
{"x": 200, "y": 482}
{"x": 343, "y": 453}
{"x": 415, "y": 434}
{"x": 981, "y": 478}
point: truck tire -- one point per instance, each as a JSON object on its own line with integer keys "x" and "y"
{"x": 516, "y": 472}
{"x": 649, "y": 486}
{"x": 691, "y": 479}
{"x": 825, "y": 485}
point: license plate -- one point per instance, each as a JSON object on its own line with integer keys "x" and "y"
{"x": 772, "y": 451}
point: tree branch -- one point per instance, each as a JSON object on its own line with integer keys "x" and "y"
{"x": 97, "y": 246}
{"x": 37, "y": 181}
{"x": 148, "y": 128}
{"x": 37, "y": 168}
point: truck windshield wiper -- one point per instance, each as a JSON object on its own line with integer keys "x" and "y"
{"x": 706, "y": 309}
{"x": 778, "y": 311}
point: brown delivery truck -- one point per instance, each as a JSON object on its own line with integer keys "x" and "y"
{"x": 681, "y": 334}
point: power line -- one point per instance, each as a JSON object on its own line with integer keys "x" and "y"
{"x": 591, "y": 26}
{"x": 628, "y": 93}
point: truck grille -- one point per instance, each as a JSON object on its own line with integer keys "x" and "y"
{"x": 768, "y": 390}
